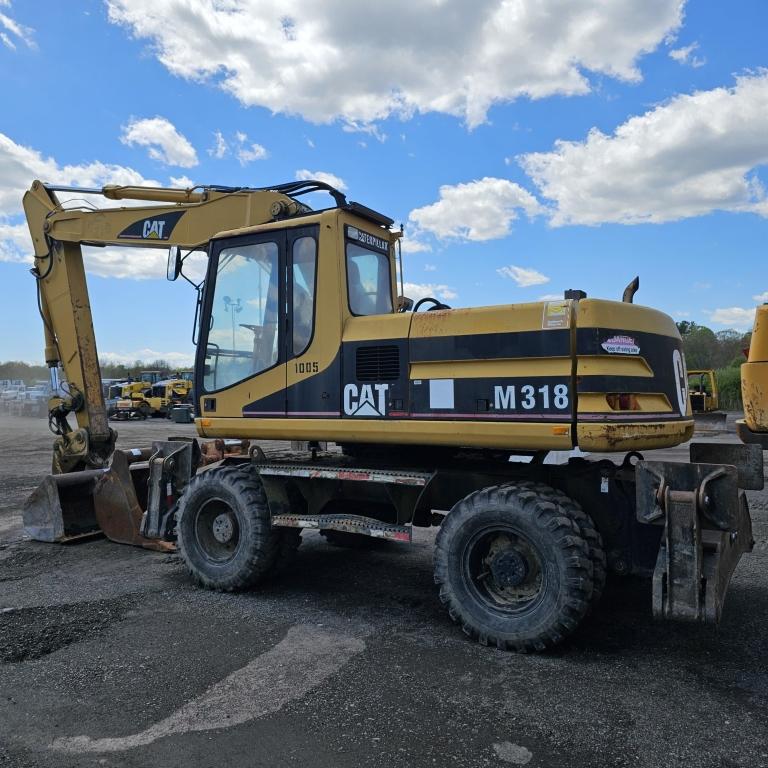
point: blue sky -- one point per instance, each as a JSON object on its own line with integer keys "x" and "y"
{"x": 528, "y": 147}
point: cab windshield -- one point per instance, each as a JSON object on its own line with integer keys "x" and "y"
{"x": 243, "y": 336}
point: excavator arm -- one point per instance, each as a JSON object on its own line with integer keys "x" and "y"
{"x": 174, "y": 217}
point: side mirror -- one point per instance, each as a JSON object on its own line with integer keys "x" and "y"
{"x": 173, "y": 270}
{"x": 404, "y": 304}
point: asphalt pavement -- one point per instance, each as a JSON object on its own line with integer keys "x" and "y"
{"x": 110, "y": 656}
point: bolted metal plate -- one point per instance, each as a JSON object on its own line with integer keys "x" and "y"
{"x": 748, "y": 460}
{"x": 722, "y": 492}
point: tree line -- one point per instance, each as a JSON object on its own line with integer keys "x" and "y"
{"x": 721, "y": 351}
{"x": 15, "y": 369}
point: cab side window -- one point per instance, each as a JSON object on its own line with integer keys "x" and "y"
{"x": 304, "y": 259}
{"x": 368, "y": 281}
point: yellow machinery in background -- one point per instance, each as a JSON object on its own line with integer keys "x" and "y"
{"x": 705, "y": 400}
{"x": 754, "y": 384}
{"x": 302, "y": 335}
{"x": 155, "y": 401}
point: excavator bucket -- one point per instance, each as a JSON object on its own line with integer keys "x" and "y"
{"x": 119, "y": 497}
{"x": 79, "y": 505}
{"x": 61, "y": 509}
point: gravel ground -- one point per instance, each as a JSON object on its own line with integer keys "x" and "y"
{"x": 109, "y": 656}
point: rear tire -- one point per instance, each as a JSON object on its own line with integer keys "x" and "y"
{"x": 225, "y": 532}
{"x": 513, "y": 568}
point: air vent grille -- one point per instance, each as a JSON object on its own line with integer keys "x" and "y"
{"x": 379, "y": 363}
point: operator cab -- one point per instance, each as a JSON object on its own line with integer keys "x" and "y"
{"x": 275, "y": 304}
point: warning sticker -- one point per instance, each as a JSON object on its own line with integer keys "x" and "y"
{"x": 556, "y": 315}
{"x": 621, "y": 345}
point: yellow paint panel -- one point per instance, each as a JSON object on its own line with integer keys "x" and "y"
{"x": 376, "y": 327}
{"x": 598, "y": 313}
{"x": 595, "y": 402}
{"x": 605, "y": 365}
{"x": 230, "y": 402}
{"x": 643, "y": 436}
{"x": 512, "y": 436}
{"x": 463, "y": 322}
{"x": 487, "y": 369}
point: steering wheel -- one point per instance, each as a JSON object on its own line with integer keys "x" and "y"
{"x": 436, "y": 304}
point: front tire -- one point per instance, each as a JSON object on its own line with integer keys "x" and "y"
{"x": 225, "y": 532}
{"x": 513, "y": 568}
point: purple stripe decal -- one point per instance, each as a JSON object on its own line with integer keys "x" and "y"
{"x": 637, "y": 416}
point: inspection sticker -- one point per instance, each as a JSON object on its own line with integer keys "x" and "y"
{"x": 621, "y": 345}
{"x": 556, "y": 315}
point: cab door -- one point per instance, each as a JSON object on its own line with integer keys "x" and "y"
{"x": 241, "y": 359}
{"x": 311, "y": 346}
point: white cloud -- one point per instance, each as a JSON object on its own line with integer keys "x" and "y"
{"x": 523, "y": 276}
{"x": 15, "y": 244}
{"x": 220, "y": 147}
{"x": 761, "y": 298}
{"x": 352, "y": 126}
{"x": 248, "y": 153}
{"x": 551, "y": 297}
{"x": 15, "y": 32}
{"x": 418, "y": 291}
{"x": 138, "y": 263}
{"x": 740, "y": 318}
{"x": 176, "y": 359}
{"x": 457, "y": 58}
{"x": 430, "y": 268}
{"x": 688, "y": 157}
{"x": 163, "y": 141}
{"x": 477, "y": 210}
{"x": 20, "y": 165}
{"x": 182, "y": 181}
{"x": 686, "y": 55}
{"x": 328, "y": 178}
{"x": 411, "y": 244}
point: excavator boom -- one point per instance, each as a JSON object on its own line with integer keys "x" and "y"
{"x": 67, "y": 503}
{"x": 184, "y": 218}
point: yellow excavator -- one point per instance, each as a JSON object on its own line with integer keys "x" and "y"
{"x": 154, "y": 401}
{"x": 445, "y": 417}
{"x": 705, "y": 400}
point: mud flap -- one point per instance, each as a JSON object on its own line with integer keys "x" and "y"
{"x": 707, "y": 528}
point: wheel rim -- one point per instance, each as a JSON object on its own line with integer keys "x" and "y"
{"x": 503, "y": 570}
{"x": 217, "y": 531}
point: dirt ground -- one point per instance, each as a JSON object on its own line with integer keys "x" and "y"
{"x": 109, "y": 656}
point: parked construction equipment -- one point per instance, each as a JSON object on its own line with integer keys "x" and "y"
{"x": 754, "y": 384}
{"x": 302, "y": 336}
{"x": 154, "y": 401}
{"x": 705, "y": 401}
